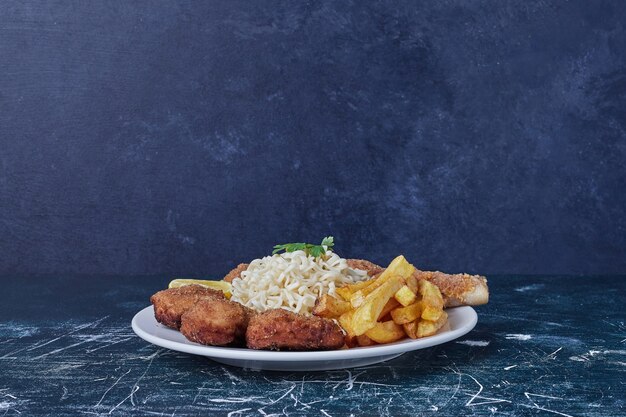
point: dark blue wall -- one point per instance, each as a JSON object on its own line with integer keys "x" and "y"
{"x": 183, "y": 138}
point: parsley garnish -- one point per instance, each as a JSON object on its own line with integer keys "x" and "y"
{"x": 314, "y": 250}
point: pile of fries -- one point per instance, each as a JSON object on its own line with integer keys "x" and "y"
{"x": 386, "y": 308}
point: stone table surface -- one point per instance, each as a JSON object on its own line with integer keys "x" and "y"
{"x": 544, "y": 345}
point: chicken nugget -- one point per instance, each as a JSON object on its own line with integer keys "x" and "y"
{"x": 170, "y": 304}
{"x": 364, "y": 265}
{"x": 281, "y": 329}
{"x": 216, "y": 322}
{"x": 236, "y": 273}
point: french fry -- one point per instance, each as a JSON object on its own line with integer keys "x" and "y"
{"x": 366, "y": 315}
{"x": 391, "y": 304}
{"x": 432, "y": 301}
{"x": 431, "y": 295}
{"x": 346, "y": 291}
{"x": 398, "y": 267}
{"x": 429, "y": 328}
{"x": 345, "y": 321}
{"x": 404, "y": 315}
{"x": 363, "y": 340}
{"x": 387, "y": 308}
{"x": 357, "y": 299}
{"x": 330, "y": 307}
{"x": 405, "y": 296}
{"x": 411, "y": 329}
{"x": 431, "y": 313}
{"x": 385, "y": 332}
{"x": 411, "y": 282}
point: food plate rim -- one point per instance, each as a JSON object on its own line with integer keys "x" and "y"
{"x": 468, "y": 314}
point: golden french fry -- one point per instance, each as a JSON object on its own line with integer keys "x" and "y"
{"x": 431, "y": 313}
{"x": 357, "y": 299}
{"x": 431, "y": 296}
{"x": 391, "y": 304}
{"x": 387, "y": 308}
{"x": 399, "y": 266}
{"x": 363, "y": 340}
{"x": 385, "y": 332}
{"x": 432, "y": 301}
{"x": 345, "y": 321}
{"x": 429, "y": 328}
{"x": 330, "y": 307}
{"x": 366, "y": 315}
{"x": 411, "y": 282}
{"x": 411, "y": 329}
{"x": 403, "y": 315}
{"x": 405, "y": 296}
{"x": 346, "y": 291}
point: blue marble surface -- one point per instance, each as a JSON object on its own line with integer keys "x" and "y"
{"x": 543, "y": 346}
{"x": 185, "y": 137}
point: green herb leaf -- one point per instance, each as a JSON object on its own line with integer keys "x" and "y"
{"x": 289, "y": 247}
{"x": 314, "y": 250}
{"x": 328, "y": 241}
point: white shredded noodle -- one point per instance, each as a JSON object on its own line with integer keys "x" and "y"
{"x": 292, "y": 281}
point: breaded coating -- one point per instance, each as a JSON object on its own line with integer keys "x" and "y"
{"x": 458, "y": 289}
{"x": 280, "y": 329}
{"x": 170, "y": 304}
{"x": 216, "y": 322}
{"x": 235, "y": 272}
{"x": 371, "y": 268}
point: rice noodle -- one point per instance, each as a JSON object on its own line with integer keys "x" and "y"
{"x": 292, "y": 281}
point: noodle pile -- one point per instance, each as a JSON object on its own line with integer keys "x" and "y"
{"x": 292, "y": 281}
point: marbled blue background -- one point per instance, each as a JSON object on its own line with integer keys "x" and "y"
{"x": 182, "y": 138}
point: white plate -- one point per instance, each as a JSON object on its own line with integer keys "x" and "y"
{"x": 460, "y": 319}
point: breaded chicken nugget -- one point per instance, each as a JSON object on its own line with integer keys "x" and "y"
{"x": 235, "y": 273}
{"x": 371, "y": 268}
{"x": 216, "y": 323}
{"x": 170, "y": 304}
{"x": 281, "y": 329}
